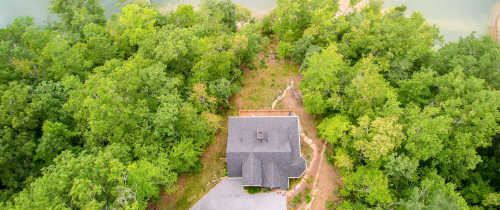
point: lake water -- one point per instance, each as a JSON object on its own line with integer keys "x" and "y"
{"x": 455, "y": 17}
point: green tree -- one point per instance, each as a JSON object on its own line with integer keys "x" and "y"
{"x": 75, "y": 14}
{"x": 285, "y": 50}
{"x": 378, "y": 138}
{"x": 223, "y": 11}
{"x": 184, "y": 16}
{"x": 427, "y": 132}
{"x": 375, "y": 34}
{"x": 434, "y": 193}
{"x": 478, "y": 56}
{"x": 369, "y": 93}
{"x": 324, "y": 82}
{"x": 391, "y": 103}
{"x": 291, "y": 18}
{"x": 369, "y": 185}
{"x": 56, "y": 138}
{"x": 334, "y": 128}
{"x": 137, "y": 22}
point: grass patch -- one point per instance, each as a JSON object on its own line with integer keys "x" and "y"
{"x": 263, "y": 64}
{"x": 330, "y": 205}
{"x": 254, "y": 190}
{"x": 296, "y": 200}
{"x": 307, "y": 195}
{"x": 308, "y": 199}
{"x": 309, "y": 181}
{"x": 261, "y": 87}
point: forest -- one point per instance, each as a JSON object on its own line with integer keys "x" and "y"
{"x": 412, "y": 122}
{"x": 102, "y": 112}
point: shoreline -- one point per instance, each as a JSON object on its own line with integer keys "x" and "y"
{"x": 494, "y": 26}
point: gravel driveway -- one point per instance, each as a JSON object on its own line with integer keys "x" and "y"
{"x": 230, "y": 195}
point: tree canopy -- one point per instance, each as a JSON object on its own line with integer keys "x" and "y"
{"x": 101, "y": 113}
{"x": 413, "y": 123}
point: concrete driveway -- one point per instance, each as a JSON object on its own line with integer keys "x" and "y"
{"x": 230, "y": 195}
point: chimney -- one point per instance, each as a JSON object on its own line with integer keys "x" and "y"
{"x": 260, "y": 135}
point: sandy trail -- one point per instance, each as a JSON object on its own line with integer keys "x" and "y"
{"x": 321, "y": 177}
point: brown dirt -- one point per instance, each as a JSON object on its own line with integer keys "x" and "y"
{"x": 326, "y": 179}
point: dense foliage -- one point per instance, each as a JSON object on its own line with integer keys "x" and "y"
{"x": 412, "y": 124}
{"x": 100, "y": 113}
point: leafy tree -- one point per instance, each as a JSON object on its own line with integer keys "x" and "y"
{"x": 368, "y": 184}
{"x": 478, "y": 190}
{"x": 369, "y": 93}
{"x": 247, "y": 44}
{"x": 243, "y": 14}
{"x": 375, "y": 35}
{"x": 223, "y": 11}
{"x": 21, "y": 43}
{"x": 426, "y": 132}
{"x": 89, "y": 181}
{"x": 99, "y": 44}
{"x": 75, "y": 14}
{"x": 59, "y": 59}
{"x": 301, "y": 48}
{"x": 137, "y": 22}
{"x": 478, "y": 56}
{"x": 492, "y": 200}
{"x": 184, "y": 16}
{"x": 343, "y": 160}
{"x": 434, "y": 193}
{"x": 323, "y": 83}
{"x": 393, "y": 105}
{"x": 56, "y": 138}
{"x": 403, "y": 171}
{"x": 291, "y": 18}
{"x": 175, "y": 47}
{"x": 334, "y": 128}
{"x": 285, "y": 50}
{"x": 100, "y": 113}
{"x": 18, "y": 141}
{"x": 378, "y": 138}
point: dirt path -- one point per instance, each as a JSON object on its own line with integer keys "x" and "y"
{"x": 321, "y": 177}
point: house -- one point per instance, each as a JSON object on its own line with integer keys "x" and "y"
{"x": 264, "y": 150}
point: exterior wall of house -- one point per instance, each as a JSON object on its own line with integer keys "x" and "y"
{"x": 264, "y": 113}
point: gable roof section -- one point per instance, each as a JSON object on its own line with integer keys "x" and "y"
{"x": 265, "y": 151}
{"x": 272, "y": 175}
{"x": 252, "y": 171}
{"x": 242, "y": 132}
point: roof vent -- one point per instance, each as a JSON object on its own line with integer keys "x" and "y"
{"x": 260, "y": 135}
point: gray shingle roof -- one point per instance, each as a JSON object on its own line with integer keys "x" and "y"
{"x": 265, "y": 151}
{"x": 252, "y": 167}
